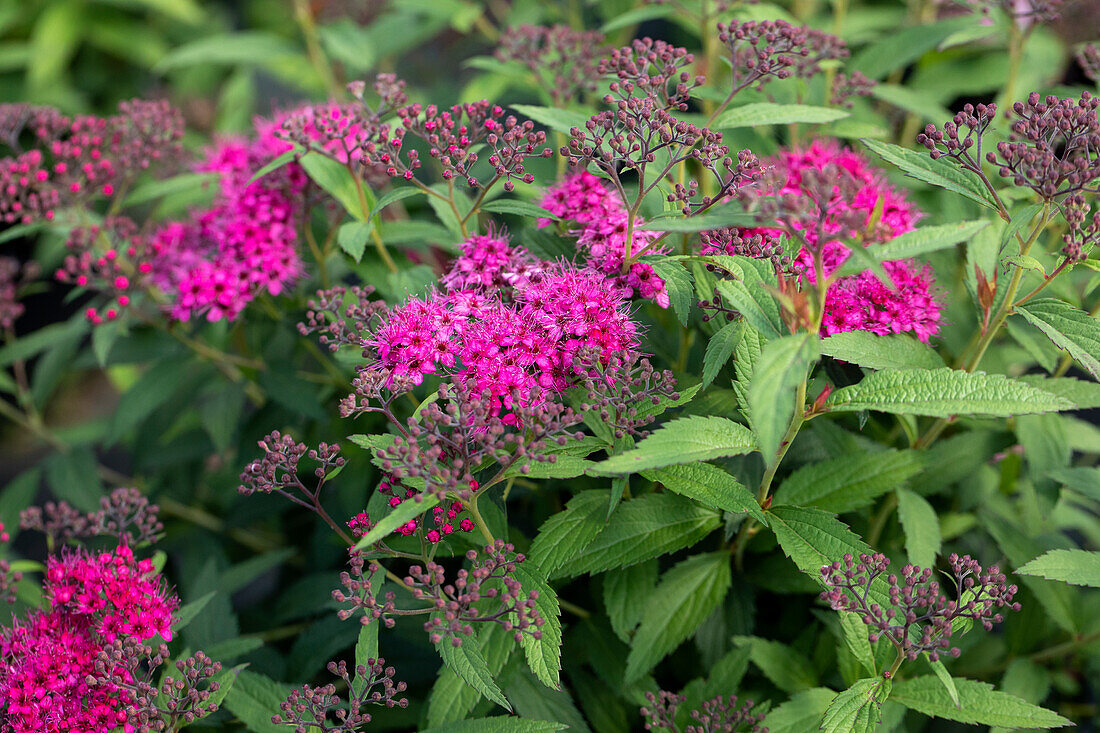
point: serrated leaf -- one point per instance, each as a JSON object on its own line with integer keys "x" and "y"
{"x": 802, "y": 713}
{"x": 400, "y": 515}
{"x": 643, "y": 528}
{"x": 394, "y": 196}
{"x": 788, "y": 669}
{"x": 1077, "y": 567}
{"x": 353, "y": 237}
{"x": 1026, "y": 262}
{"x": 979, "y": 704}
{"x": 564, "y": 535}
{"x": 625, "y": 594}
{"x": 857, "y": 640}
{"x": 922, "y": 241}
{"x": 254, "y": 699}
{"x": 543, "y": 654}
{"x": 499, "y": 724}
{"x": 1069, "y": 328}
{"x": 681, "y": 290}
{"x": 857, "y": 709}
{"x": 720, "y": 348}
{"x": 280, "y": 161}
{"x": 895, "y": 351}
{"x": 922, "y": 528}
{"x": 942, "y": 173}
{"x": 451, "y": 698}
{"x": 943, "y": 393}
{"x": 773, "y": 392}
{"x": 679, "y": 441}
{"x": 1082, "y": 393}
{"x": 684, "y": 598}
{"x": 944, "y": 677}
{"x": 709, "y": 485}
{"x": 850, "y": 482}
{"x": 468, "y": 663}
{"x": 754, "y": 303}
{"x": 761, "y": 114}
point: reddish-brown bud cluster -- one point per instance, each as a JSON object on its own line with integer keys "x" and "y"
{"x": 13, "y": 277}
{"x": 652, "y": 69}
{"x": 920, "y": 618}
{"x": 562, "y": 60}
{"x": 320, "y": 709}
{"x": 619, "y": 388}
{"x": 775, "y": 49}
{"x": 1088, "y": 56}
{"x": 722, "y": 714}
{"x": 125, "y": 514}
{"x": 846, "y": 86}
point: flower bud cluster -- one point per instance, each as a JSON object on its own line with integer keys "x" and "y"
{"x": 653, "y": 70}
{"x": 125, "y": 514}
{"x": 775, "y": 49}
{"x": 921, "y": 617}
{"x": 13, "y": 276}
{"x": 619, "y": 388}
{"x": 321, "y": 709}
{"x": 562, "y": 60}
{"x": 722, "y": 714}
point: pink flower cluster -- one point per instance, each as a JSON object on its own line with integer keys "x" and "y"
{"x": 507, "y": 348}
{"x": 583, "y": 198}
{"x": 490, "y": 263}
{"x": 859, "y": 302}
{"x": 245, "y": 243}
{"x": 48, "y": 675}
{"x": 444, "y": 518}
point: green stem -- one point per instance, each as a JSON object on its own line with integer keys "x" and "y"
{"x": 471, "y": 505}
{"x": 304, "y": 17}
{"x": 879, "y": 522}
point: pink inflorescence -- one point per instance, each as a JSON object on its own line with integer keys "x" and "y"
{"x": 489, "y": 262}
{"x": 858, "y": 302}
{"x": 245, "y": 243}
{"x": 602, "y": 236}
{"x": 445, "y": 519}
{"x": 49, "y": 676}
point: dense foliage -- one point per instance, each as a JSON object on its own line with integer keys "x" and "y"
{"x": 695, "y": 365}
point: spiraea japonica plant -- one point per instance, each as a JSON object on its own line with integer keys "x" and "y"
{"x": 687, "y": 365}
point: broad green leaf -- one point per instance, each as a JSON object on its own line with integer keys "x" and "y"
{"x": 468, "y": 663}
{"x": 394, "y": 196}
{"x": 789, "y": 670}
{"x": 227, "y": 49}
{"x": 1069, "y": 328}
{"x": 188, "y": 611}
{"x": 564, "y": 535}
{"x": 802, "y": 713}
{"x": 857, "y": 709}
{"x": 1077, "y": 567}
{"x": 922, "y": 528}
{"x": 850, "y": 482}
{"x": 27, "y": 346}
{"x": 366, "y": 649}
{"x": 643, "y": 528}
{"x": 813, "y": 538}
{"x": 720, "y": 348}
{"x": 747, "y": 293}
{"x": 683, "y": 440}
{"x": 353, "y": 237}
{"x": 519, "y": 208}
{"x": 400, "y": 515}
{"x": 335, "y": 178}
{"x": 918, "y": 102}
{"x": 943, "y": 393}
{"x": 677, "y": 280}
{"x": 773, "y": 392}
{"x": 686, "y": 595}
{"x": 896, "y": 351}
{"x": 74, "y": 477}
{"x": 559, "y": 120}
{"x": 945, "y": 677}
{"x": 499, "y": 724}
{"x": 979, "y": 704}
{"x": 1084, "y": 480}
{"x": 533, "y": 701}
{"x": 182, "y": 183}
{"x": 899, "y": 47}
{"x": 943, "y": 172}
{"x": 254, "y": 699}
{"x": 921, "y": 241}
{"x": 1083, "y": 394}
{"x": 728, "y": 215}
{"x": 760, "y": 114}
{"x": 451, "y": 698}
{"x": 745, "y": 357}
{"x": 625, "y": 595}
{"x": 857, "y": 640}
{"x": 636, "y": 16}
{"x": 543, "y": 654}
{"x": 648, "y": 409}
{"x": 708, "y": 485}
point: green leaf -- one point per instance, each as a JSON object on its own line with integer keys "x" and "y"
{"x": 773, "y": 392}
{"x": 709, "y": 485}
{"x": 636, "y": 16}
{"x": 761, "y": 114}
{"x": 1026, "y": 262}
{"x": 543, "y": 654}
{"x": 857, "y": 639}
{"x": 850, "y": 482}
{"x": 625, "y": 595}
{"x": 945, "y": 677}
{"x": 532, "y": 701}
{"x": 254, "y": 699}
{"x": 335, "y": 178}
{"x": 686, "y": 595}
{"x": 679, "y": 441}
{"x": 188, "y": 611}
{"x": 857, "y": 709}
{"x": 353, "y": 237}
{"x": 943, "y": 172}
{"x": 394, "y": 196}
{"x": 1077, "y": 567}
{"x": 681, "y": 290}
{"x": 643, "y": 528}
{"x": 227, "y": 49}
{"x": 943, "y": 393}
{"x": 922, "y": 528}
{"x": 979, "y": 703}
{"x": 648, "y": 409}
{"x": 564, "y": 535}
{"x": 559, "y": 120}
{"x": 451, "y": 698}
{"x": 789, "y": 670}
{"x": 468, "y": 663}
{"x": 729, "y": 215}
{"x": 27, "y": 346}
{"x": 896, "y": 351}
{"x": 182, "y": 183}
{"x": 1081, "y": 479}
{"x": 1083, "y": 394}
{"x": 813, "y": 538}
{"x": 500, "y": 724}
{"x": 366, "y": 649}
{"x": 280, "y": 161}
{"x": 400, "y": 515}
{"x": 74, "y": 477}
{"x": 519, "y": 208}
{"x": 720, "y": 348}
{"x": 1069, "y": 328}
{"x": 899, "y": 47}
{"x": 922, "y": 241}
{"x": 921, "y": 103}
{"x": 802, "y": 713}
